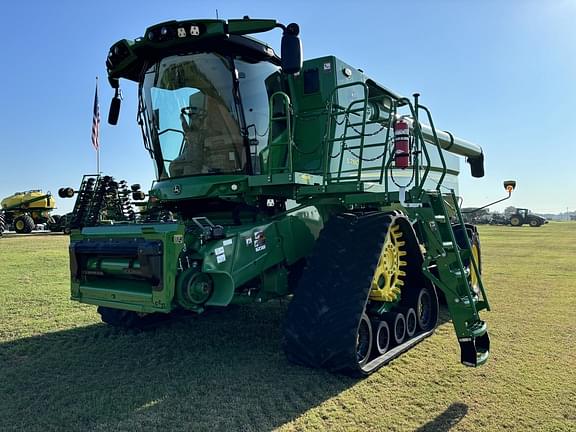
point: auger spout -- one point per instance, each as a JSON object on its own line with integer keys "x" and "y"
{"x": 453, "y": 144}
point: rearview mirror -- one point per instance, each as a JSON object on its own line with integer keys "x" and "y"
{"x": 114, "y": 112}
{"x": 509, "y": 185}
{"x": 291, "y": 50}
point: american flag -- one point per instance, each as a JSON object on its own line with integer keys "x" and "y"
{"x": 96, "y": 121}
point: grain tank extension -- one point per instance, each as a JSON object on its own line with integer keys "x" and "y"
{"x": 277, "y": 177}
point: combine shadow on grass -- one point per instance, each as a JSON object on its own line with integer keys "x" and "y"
{"x": 447, "y": 420}
{"x": 223, "y": 371}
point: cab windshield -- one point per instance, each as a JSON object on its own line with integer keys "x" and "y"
{"x": 195, "y": 122}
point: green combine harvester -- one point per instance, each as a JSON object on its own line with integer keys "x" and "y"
{"x": 277, "y": 177}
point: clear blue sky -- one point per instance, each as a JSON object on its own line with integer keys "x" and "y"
{"x": 498, "y": 73}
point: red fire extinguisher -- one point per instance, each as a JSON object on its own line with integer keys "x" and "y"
{"x": 401, "y": 144}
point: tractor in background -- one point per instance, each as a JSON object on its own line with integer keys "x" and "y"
{"x": 523, "y": 216}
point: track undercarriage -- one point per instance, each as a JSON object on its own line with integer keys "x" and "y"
{"x": 338, "y": 318}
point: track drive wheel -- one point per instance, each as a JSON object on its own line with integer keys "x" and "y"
{"x": 390, "y": 272}
{"x": 120, "y": 318}
{"x": 24, "y": 224}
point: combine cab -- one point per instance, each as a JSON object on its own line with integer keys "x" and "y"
{"x": 277, "y": 178}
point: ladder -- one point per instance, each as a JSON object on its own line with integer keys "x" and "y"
{"x": 280, "y": 158}
{"x": 452, "y": 276}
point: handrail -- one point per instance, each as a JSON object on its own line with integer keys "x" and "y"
{"x": 332, "y": 117}
{"x": 334, "y": 111}
{"x": 437, "y": 142}
{"x": 423, "y": 136}
{"x": 418, "y": 136}
{"x": 287, "y": 108}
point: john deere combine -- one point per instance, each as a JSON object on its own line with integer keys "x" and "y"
{"x": 275, "y": 178}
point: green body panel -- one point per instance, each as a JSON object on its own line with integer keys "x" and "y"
{"x": 244, "y": 255}
{"x": 205, "y": 186}
{"x": 130, "y": 294}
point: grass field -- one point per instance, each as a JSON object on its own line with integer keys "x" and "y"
{"x": 60, "y": 369}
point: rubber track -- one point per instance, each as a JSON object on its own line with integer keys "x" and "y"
{"x": 322, "y": 320}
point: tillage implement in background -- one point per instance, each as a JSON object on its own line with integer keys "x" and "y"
{"x": 275, "y": 178}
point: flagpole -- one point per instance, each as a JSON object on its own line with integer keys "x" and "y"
{"x": 96, "y": 128}
{"x": 98, "y": 148}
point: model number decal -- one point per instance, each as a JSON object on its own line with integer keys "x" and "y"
{"x": 259, "y": 241}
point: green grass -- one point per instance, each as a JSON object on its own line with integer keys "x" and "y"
{"x": 60, "y": 369}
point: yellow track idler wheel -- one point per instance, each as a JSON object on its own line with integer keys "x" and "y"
{"x": 389, "y": 275}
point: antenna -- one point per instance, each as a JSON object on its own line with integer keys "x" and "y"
{"x": 216, "y": 13}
